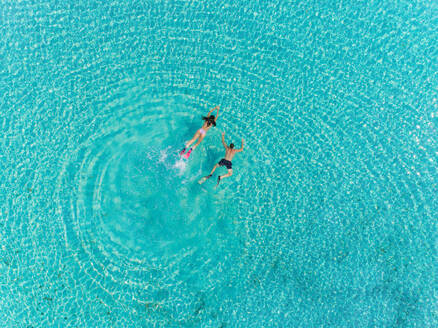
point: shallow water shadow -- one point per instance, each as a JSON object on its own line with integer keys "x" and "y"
{"x": 213, "y": 156}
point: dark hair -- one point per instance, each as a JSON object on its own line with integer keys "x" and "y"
{"x": 210, "y": 120}
{"x": 231, "y": 145}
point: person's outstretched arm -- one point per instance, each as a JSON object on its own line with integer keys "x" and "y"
{"x": 211, "y": 111}
{"x": 241, "y": 148}
{"x": 223, "y": 140}
{"x": 217, "y": 114}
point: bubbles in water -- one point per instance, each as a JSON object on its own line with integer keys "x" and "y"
{"x": 181, "y": 166}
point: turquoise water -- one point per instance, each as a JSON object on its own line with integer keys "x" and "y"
{"x": 329, "y": 219}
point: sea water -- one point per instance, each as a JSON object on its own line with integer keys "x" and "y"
{"x": 329, "y": 219}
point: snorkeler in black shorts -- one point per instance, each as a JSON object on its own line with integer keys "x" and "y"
{"x": 229, "y": 154}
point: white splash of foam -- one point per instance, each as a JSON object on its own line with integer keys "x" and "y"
{"x": 181, "y": 165}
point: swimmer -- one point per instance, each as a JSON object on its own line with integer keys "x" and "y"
{"x": 229, "y": 154}
{"x": 210, "y": 120}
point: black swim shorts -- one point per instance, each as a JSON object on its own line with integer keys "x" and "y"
{"x": 225, "y": 162}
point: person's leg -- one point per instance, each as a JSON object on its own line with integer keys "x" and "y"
{"x": 201, "y": 137}
{"x": 230, "y": 173}
{"x": 188, "y": 143}
{"x": 208, "y": 176}
{"x": 191, "y": 141}
{"x": 214, "y": 168}
{"x": 219, "y": 178}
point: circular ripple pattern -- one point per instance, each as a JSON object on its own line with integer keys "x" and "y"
{"x": 329, "y": 212}
{"x": 130, "y": 217}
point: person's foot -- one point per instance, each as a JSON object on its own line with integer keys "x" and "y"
{"x": 188, "y": 153}
{"x": 182, "y": 151}
{"x": 218, "y": 180}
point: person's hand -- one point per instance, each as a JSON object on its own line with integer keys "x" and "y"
{"x": 223, "y": 133}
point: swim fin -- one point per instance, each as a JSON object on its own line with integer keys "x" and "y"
{"x": 203, "y": 179}
{"x": 182, "y": 151}
{"x": 188, "y": 153}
